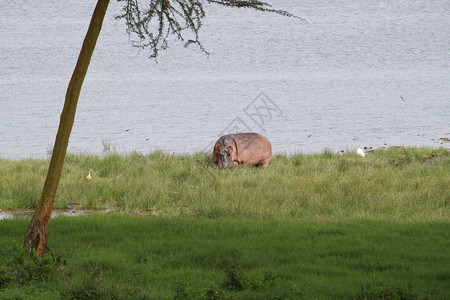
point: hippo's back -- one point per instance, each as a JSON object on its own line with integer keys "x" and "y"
{"x": 252, "y": 148}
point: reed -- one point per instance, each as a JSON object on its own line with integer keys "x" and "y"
{"x": 392, "y": 184}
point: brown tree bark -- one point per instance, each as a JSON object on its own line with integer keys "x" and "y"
{"x": 36, "y": 234}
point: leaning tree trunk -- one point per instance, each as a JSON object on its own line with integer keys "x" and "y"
{"x": 36, "y": 234}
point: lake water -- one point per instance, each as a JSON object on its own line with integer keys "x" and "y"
{"x": 357, "y": 73}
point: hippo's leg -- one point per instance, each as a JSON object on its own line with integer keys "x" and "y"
{"x": 265, "y": 162}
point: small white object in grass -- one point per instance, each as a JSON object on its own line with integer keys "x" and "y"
{"x": 89, "y": 176}
{"x": 360, "y": 152}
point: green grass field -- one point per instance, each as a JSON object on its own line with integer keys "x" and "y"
{"x": 139, "y": 257}
{"x": 319, "y": 226}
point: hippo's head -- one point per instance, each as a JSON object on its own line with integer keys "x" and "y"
{"x": 222, "y": 155}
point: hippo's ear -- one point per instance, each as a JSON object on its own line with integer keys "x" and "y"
{"x": 217, "y": 148}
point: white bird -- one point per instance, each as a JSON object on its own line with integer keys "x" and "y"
{"x": 89, "y": 176}
{"x": 360, "y": 151}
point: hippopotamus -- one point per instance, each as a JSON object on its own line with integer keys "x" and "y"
{"x": 242, "y": 148}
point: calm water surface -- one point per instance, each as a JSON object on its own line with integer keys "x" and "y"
{"x": 358, "y": 73}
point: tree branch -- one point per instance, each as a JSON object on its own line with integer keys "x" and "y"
{"x": 163, "y": 18}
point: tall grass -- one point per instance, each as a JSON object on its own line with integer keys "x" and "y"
{"x": 395, "y": 184}
{"x": 317, "y": 226}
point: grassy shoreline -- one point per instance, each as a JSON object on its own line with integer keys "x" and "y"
{"x": 317, "y": 226}
{"x": 408, "y": 184}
